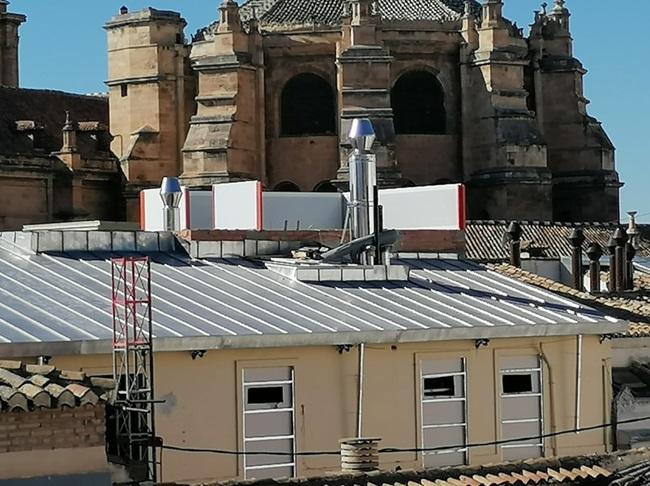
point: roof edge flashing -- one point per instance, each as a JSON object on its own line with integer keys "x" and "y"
{"x": 50, "y": 241}
{"x": 318, "y": 272}
{"x": 190, "y": 343}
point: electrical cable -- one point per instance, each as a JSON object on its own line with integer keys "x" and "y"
{"x": 388, "y": 450}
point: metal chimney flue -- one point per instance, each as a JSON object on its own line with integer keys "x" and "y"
{"x": 594, "y": 252}
{"x": 577, "y": 238}
{"x": 611, "y": 251}
{"x": 620, "y": 238}
{"x": 171, "y": 195}
{"x": 514, "y": 233}
{"x": 363, "y": 177}
{"x": 630, "y": 253}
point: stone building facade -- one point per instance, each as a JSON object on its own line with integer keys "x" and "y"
{"x": 454, "y": 89}
{"x": 55, "y": 157}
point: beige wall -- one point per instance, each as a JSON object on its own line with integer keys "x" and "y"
{"x": 203, "y": 396}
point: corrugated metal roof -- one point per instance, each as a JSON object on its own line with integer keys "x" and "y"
{"x": 633, "y": 306}
{"x": 65, "y": 298}
{"x": 642, "y": 264}
{"x": 485, "y": 239}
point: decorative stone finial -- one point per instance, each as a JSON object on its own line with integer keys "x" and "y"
{"x": 229, "y": 18}
{"x": 544, "y": 5}
{"x": 69, "y": 124}
{"x": 468, "y": 8}
{"x": 559, "y": 7}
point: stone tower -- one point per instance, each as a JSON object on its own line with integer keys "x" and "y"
{"x": 226, "y": 136}
{"x": 364, "y": 83}
{"x": 456, "y": 92}
{"x": 580, "y": 154}
{"x": 9, "y": 24}
{"x": 504, "y": 156}
{"x": 151, "y": 96}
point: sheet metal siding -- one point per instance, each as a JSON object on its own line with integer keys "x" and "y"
{"x": 61, "y": 297}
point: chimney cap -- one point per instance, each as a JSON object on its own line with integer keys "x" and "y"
{"x": 620, "y": 236}
{"x": 514, "y": 230}
{"x": 362, "y": 134}
{"x": 611, "y": 245}
{"x": 171, "y": 192}
{"x": 577, "y": 237}
{"x": 594, "y": 252}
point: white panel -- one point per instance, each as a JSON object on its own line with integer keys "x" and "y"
{"x": 303, "y": 210}
{"x": 199, "y": 215}
{"x": 237, "y": 205}
{"x": 152, "y": 210}
{"x": 428, "y": 207}
{"x": 196, "y": 215}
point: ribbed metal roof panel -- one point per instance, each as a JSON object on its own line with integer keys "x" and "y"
{"x": 66, "y": 297}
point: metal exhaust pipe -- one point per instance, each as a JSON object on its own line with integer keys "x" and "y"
{"x": 171, "y": 195}
{"x": 577, "y": 238}
{"x": 620, "y": 237}
{"x": 611, "y": 251}
{"x": 514, "y": 232}
{"x": 594, "y": 252}
{"x": 363, "y": 179}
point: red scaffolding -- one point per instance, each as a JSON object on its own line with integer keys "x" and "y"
{"x": 133, "y": 366}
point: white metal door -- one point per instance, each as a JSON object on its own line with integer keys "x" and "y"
{"x": 268, "y": 422}
{"x": 522, "y": 407}
{"x": 443, "y": 411}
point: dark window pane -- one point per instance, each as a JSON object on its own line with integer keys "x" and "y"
{"x": 267, "y": 394}
{"x": 307, "y": 107}
{"x": 442, "y": 386}
{"x": 517, "y": 383}
{"x": 287, "y": 187}
{"x": 418, "y": 103}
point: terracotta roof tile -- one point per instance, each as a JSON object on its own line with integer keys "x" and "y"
{"x": 28, "y": 387}
{"x": 280, "y": 14}
{"x": 485, "y": 239}
{"x": 44, "y": 111}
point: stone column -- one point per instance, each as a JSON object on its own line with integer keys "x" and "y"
{"x": 222, "y": 144}
{"x": 9, "y": 24}
{"x": 364, "y": 82}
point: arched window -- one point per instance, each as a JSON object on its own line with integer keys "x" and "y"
{"x": 325, "y": 186}
{"x": 307, "y": 107}
{"x": 286, "y": 186}
{"x": 418, "y": 104}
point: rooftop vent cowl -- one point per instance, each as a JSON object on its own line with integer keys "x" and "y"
{"x": 362, "y": 134}
{"x": 171, "y": 195}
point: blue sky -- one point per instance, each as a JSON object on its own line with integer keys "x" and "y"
{"x": 64, "y": 47}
